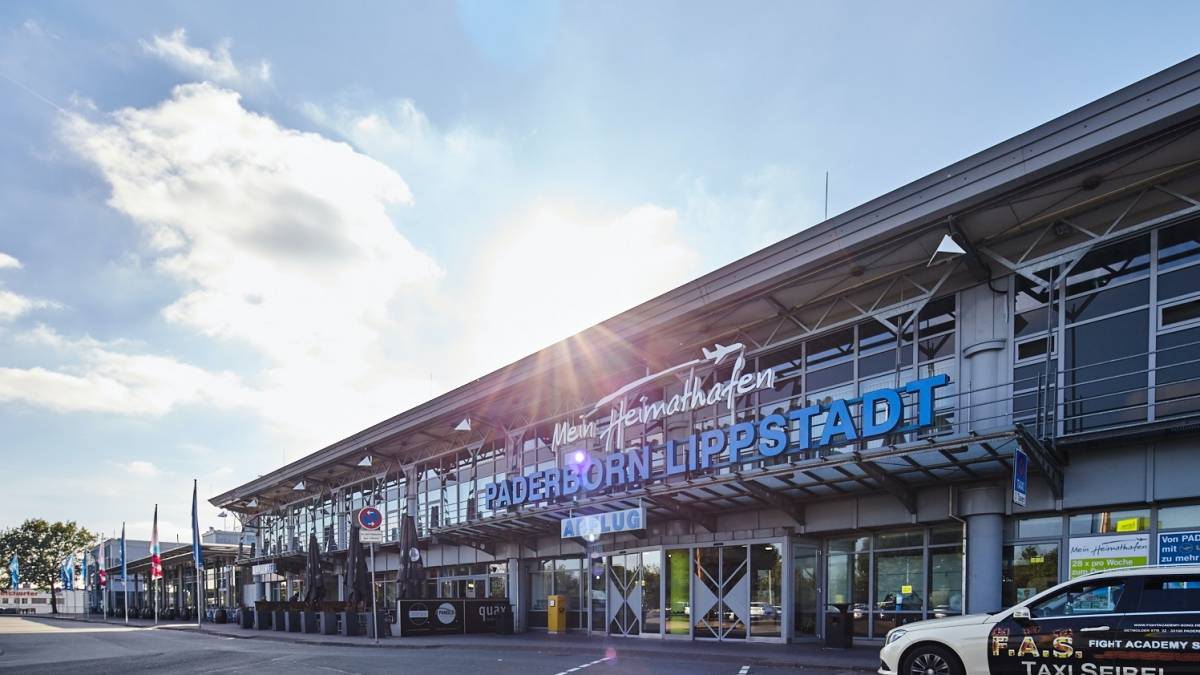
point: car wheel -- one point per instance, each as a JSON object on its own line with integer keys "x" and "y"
{"x": 931, "y": 660}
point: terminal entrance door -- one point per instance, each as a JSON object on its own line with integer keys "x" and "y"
{"x": 721, "y": 593}
{"x": 625, "y": 594}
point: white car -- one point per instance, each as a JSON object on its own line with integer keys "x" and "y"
{"x": 1131, "y": 621}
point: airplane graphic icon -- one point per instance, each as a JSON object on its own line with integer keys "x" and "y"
{"x": 719, "y": 351}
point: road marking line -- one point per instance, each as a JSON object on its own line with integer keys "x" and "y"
{"x": 586, "y": 665}
{"x": 744, "y": 670}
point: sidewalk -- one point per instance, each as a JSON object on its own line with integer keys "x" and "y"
{"x": 803, "y": 655}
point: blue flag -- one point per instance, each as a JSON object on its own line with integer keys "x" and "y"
{"x": 68, "y": 573}
{"x": 197, "y": 555}
{"x": 83, "y": 569}
{"x": 124, "y": 570}
{"x": 14, "y": 572}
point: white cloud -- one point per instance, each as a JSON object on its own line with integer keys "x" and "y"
{"x": 32, "y": 27}
{"x": 216, "y": 64}
{"x": 141, "y": 468}
{"x": 9, "y": 262}
{"x": 99, "y": 379}
{"x": 284, "y": 241}
{"x": 13, "y": 305}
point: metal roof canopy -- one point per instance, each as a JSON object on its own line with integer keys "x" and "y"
{"x": 898, "y": 470}
{"x": 809, "y": 281}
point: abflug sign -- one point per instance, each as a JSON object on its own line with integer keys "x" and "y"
{"x": 775, "y": 434}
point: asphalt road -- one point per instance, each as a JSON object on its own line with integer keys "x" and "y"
{"x": 46, "y": 646}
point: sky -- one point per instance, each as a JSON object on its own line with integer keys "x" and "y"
{"x": 233, "y": 233}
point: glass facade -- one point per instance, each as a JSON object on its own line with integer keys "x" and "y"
{"x": 895, "y": 577}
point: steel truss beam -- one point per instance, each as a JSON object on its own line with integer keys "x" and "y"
{"x": 673, "y": 507}
{"x": 792, "y": 508}
{"x": 897, "y": 488}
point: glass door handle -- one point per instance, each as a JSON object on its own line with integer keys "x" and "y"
{"x": 1093, "y": 629}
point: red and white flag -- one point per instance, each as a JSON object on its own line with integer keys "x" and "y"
{"x": 155, "y": 553}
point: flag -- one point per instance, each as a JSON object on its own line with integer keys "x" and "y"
{"x": 67, "y": 572}
{"x": 124, "y": 569}
{"x": 14, "y": 572}
{"x": 197, "y": 555}
{"x": 83, "y": 569}
{"x": 155, "y": 552}
{"x": 100, "y": 571}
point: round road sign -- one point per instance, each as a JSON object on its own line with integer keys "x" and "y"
{"x": 369, "y": 518}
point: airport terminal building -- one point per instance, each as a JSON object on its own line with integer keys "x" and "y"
{"x": 942, "y": 401}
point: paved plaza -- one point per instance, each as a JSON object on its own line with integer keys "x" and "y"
{"x": 41, "y": 645}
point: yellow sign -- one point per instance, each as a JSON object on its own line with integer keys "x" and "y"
{"x": 1128, "y": 525}
{"x": 906, "y": 589}
{"x": 1037, "y": 560}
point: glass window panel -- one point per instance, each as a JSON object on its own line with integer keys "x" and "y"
{"x": 1028, "y": 570}
{"x": 1179, "y": 282}
{"x": 1033, "y": 348}
{"x": 828, "y": 377}
{"x": 1105, "y": 372}
{"x": 1182, "y": 312}
{"x": 1178, "y": 517}
{"x": 936, "y": 317}
{"x": 905, "y": 538}
{"x": 1108, "y": 301}
{"x": 786, "y": 362}
{"x": 804, "y": 591}
{"x": 1029, "y": 296}
{"x": 651, "y": 585}
{"x": 945, "y": 534}
{"x": 945, "y": 582}
{"x": 766, "y": 590}
{"x": 877, "y": 363}
{"x": 935, "y": 347}
{"x": 1177, "y": 377}
{"x": 1105, "y": 522}
{"x": 830, "y": 347}
{"x": 1033, "y": 322}
{"x": 848, "y": 545}
{"x": 1036, "y": 528}
{"x": 1179, "y": 245}
{"x": 678, "y": 592}
{"x": 899, "y": 584}
{"x": 1105, "y": 265}
{"x": 873, "y": 335}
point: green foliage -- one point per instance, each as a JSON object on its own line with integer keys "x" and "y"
{"x": 41, "y": 546}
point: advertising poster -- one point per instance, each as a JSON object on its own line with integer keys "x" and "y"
{"x": 1179, "y": 548}
{"x": 1096, "y": 554}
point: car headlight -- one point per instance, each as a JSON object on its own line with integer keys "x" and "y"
{"x": 895, "y": 634}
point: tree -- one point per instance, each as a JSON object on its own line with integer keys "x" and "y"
{"x": 41, "y": 546}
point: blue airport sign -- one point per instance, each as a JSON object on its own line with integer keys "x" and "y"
{"x": 774, "y": 434}
{"x": 593, "y": 526}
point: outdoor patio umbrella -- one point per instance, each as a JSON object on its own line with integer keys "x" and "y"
{"x": 356, "y": 571}
{"x": 314, "y": 581}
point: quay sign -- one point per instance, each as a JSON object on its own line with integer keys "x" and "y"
{"x": 882, "y": 412}
{"x": 591, "y": 527}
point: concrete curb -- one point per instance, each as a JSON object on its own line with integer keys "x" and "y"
{"x": 774, "y": 660}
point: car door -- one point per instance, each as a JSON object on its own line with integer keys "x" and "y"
{"x": 1057, "y": 627}
{"x": 1163, "y": 630}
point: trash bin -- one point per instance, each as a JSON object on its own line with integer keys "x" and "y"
{"x": 839, "y": 626}
{"x": 504, "y": 620}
